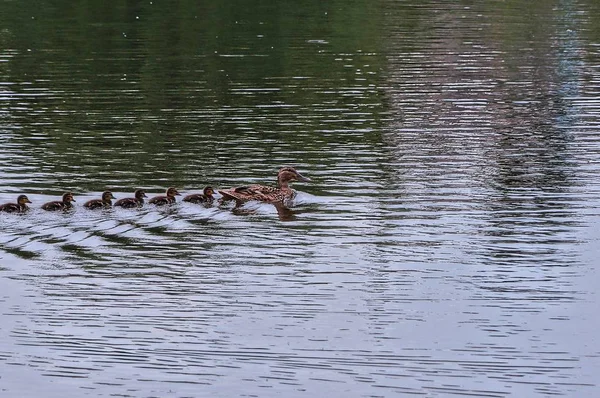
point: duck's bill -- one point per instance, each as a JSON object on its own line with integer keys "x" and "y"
{"x": 303, "y": 179}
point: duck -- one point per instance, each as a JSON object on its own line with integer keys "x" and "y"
{"x": 165, "y": 200}
{"x": 206, "y": 197}
{"x": 19, "y": 207}
{"x": 104, "y": 203}
{"x": 280, "y": 195}
{"x": 136, "y": 201}
{"x": 63, "y": 204}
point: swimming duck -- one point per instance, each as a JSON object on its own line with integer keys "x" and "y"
{"x": 165, "y": 200}
{"x": 283, "y": 194}
{"x": 19, "y": 207}
{"x": 105, "y": 202}
{"x": 63, "y": 204}
{"x": 130, "y": 203}
{"x": 206, "y": 197}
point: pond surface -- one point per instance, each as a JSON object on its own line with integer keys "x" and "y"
{"x": 446, "y": 246}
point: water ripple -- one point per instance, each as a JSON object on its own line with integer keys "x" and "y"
{"x": 445, "y": 245}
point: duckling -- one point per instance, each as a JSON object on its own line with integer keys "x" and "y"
{"x": 206, "y": 197}
{"x": 105, "y": 202}
{"x": 63, "y": 204}
{"x": 19, "y": 207}
{"x": 165, "y": 200}
{"x": 283, "y": 194}
{"x": 130, "y": 203}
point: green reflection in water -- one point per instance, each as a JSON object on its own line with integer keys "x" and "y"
{"x": 171, "y": 91}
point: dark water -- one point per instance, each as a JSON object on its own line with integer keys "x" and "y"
{"x": 447, "y": 245}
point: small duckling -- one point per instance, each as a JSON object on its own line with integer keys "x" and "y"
{"x": 105, "y": 202}
{"x": 130, "y": 203}
{"x": 201, "y": 198}
{"x": 19, "y": 207}
{"x": 63, "y": 204}
{"x": 165, "y": 200}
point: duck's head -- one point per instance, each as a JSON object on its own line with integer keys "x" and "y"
{"x": 288, "y": 174}
{"x": 172, "y": 192}
{"x": 140, "y": 194}
{"x": 22, "y": 200}
{"x": 208, "y": 191}
{"x": 68, "y": 197}
{"x": 107, "y": 196}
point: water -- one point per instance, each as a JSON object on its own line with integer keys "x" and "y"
{"x": 446, "y": 246}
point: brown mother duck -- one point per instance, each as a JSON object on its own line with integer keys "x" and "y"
{"x": 103, "y": 203}
{"x": 165, "y": 200}
{"x": 206, "y": 197}
{"x": 64, "y": 204}
{"x": 283, "y": 194}
{"x": 136, "y": 201}
{"x": 19, "y": 207}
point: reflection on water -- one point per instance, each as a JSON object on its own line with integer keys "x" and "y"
{"x": 445, "y": 245}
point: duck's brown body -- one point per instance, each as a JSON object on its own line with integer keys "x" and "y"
{"x": 130, "y": 203}
{"x": 19, "y": 207}
{"x": 283, "y": 194}
{"x": 168, "y": 199}
{"x": 201, "y": 198}
{"x": 104, "y": 203}
{"x": 63, "y": 204}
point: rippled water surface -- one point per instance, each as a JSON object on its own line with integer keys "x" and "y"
{"x": 446, "y": 246}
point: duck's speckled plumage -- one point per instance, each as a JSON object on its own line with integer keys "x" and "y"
{"x": 63, "y": 204}
{"x": 104, "y": 203}
{"x": 283, "y": 194}
{"x": 168, "y": 199}
{"x": 206, "y": 197}
{"x": 19, "y": 207}
{"x": 131, "y": 203}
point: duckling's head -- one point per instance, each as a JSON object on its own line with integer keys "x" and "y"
{"x": 68, "y": 197}
{"x": 107, "y": 196}
{"x": 288, "y": 174}
{"x": 140, "y": 194}
{"x": 172, "y": 192}
{"x": 209, "y": 191}
{"x": 22, "y": 199}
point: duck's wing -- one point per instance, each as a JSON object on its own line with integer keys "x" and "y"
{"x": 9, "y": 207}
{"x": 246, "y": 193}
{"x": 161, "y": 200}
{"x": 127, "y": 202}
{"x": 56, "y": 205}
{"x": 93, "y": 204}
{"x": 157, "y": 200}
{"x": 195, "y": 198}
